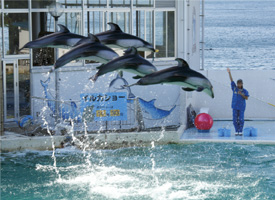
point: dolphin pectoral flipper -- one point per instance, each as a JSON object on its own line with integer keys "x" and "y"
{"x": 137, "y": 77}
{"x": 199, "y": 89}
{"x": 188, "y": 89}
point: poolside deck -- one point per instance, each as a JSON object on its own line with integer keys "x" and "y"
{"x": 266, "y": 133}
{"x": 11, "y": 141}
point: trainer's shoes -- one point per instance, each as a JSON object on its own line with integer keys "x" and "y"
{"x": 236, "y": 134}
{"x": 240, "y": 134}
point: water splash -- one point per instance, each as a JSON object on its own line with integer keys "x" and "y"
{"x": 53, "y": 145}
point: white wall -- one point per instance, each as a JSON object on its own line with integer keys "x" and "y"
{"x": 259, "y": 83}
{"x": 193, "y": 34}
{"x": 73, "y": 83}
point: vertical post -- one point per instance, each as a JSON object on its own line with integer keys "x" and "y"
{"x": 57, "y": 95}
{"x": 1, "y": 101}
{"x": 202, "y": 35}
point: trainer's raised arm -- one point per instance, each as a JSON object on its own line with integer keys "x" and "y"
{"x": 230, "y": 76}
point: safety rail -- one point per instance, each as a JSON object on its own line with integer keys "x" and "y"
{"x": 70, "y": 117}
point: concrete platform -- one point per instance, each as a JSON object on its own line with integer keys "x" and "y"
{"x": 16, "y": 142}
{"x": 266, "y": 133}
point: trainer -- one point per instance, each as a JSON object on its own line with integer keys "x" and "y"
{"x": 240, "y": 95}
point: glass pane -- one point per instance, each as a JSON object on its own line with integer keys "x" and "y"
{"x": 149, "y": 27}
{"x": 160, "y": 34}
{"x": 165, "y": 3}
{"x": 122, "y": 19}
{"x": 43, "y": 24}
{"x": 71, "y": 3}
{"x": 72, "y": 21}
{"x": 10, "y": 91}
{"x": 11, "y": 4}
{"x": 16, "y": 33}
{"x": 143, "y": 3}
{"x": 95, "y": 3}
{"x": 119, "y": 3}
{"x": 94, "y": 23}
{"x": 24, "y": 86}
{"x": 165, "y": 34}
{"x": 1, "y": 46}
{"x": 41, "y": 3}
{"x": 138, "y": 19}
{"x": 149, "y": 31}
{"x": 171, "y": 34}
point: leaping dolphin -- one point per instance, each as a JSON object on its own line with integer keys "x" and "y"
{"x": 116, "y": 38}
{"x": 61, "y": 39}
{"x": 130, "y": 62}
{"x": 182, "y": 75}
{"x": 91, "y": 50}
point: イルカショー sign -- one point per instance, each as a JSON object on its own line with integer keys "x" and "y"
{"x": 110, "y": 106}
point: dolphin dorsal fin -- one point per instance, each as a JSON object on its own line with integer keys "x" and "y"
{"x": 130, "y": 51}
{"x": 182, "y": 63}
{"x": 93, "y": 38}
{"x": 63, "y": 28}
{"x": 114, "y": 27}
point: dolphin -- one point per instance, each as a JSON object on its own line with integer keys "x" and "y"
{"x": 182, "y": 75}
{"x": 61, "y": 39}
{"x": 150, "y": 108}
{"x": 116, "y": 38}
{"x": 92, "y": 50}
{"x": 130, "y": 62}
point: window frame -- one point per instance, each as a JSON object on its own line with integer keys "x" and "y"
{"x": 83, "y": 9}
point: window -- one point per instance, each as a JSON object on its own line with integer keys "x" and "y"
{"x": 119, "y": 3}
{"x": 41, "y": 3}
{"x": 1, "y": 34}
{"x": 151, "y": 20}
{"x": 143, "y": 3}
{"x": 16, "y": 33}
{"x": 11, "y": 4}
{"x": 95, "y": 3}
{"x": 165, "y": 34}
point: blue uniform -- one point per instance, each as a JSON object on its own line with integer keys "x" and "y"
{"x": 238, "y": 105}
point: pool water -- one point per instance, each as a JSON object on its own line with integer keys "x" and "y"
{"x": 195, "y": 171}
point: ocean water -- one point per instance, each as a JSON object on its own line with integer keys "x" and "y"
{"x": 195, "y": 171}
{"x": 240, "y": 34}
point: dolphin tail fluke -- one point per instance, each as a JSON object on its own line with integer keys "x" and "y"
{"x": 94, "y": 78}
{"x": 52, "y": 69}
{"x": 98, "y": 67}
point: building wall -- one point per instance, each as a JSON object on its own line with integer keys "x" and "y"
{"x": 259, "y": 83}
{"x": 73, "y": 82}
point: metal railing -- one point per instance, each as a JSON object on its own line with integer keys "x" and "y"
{"x": 70, "y": 117}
